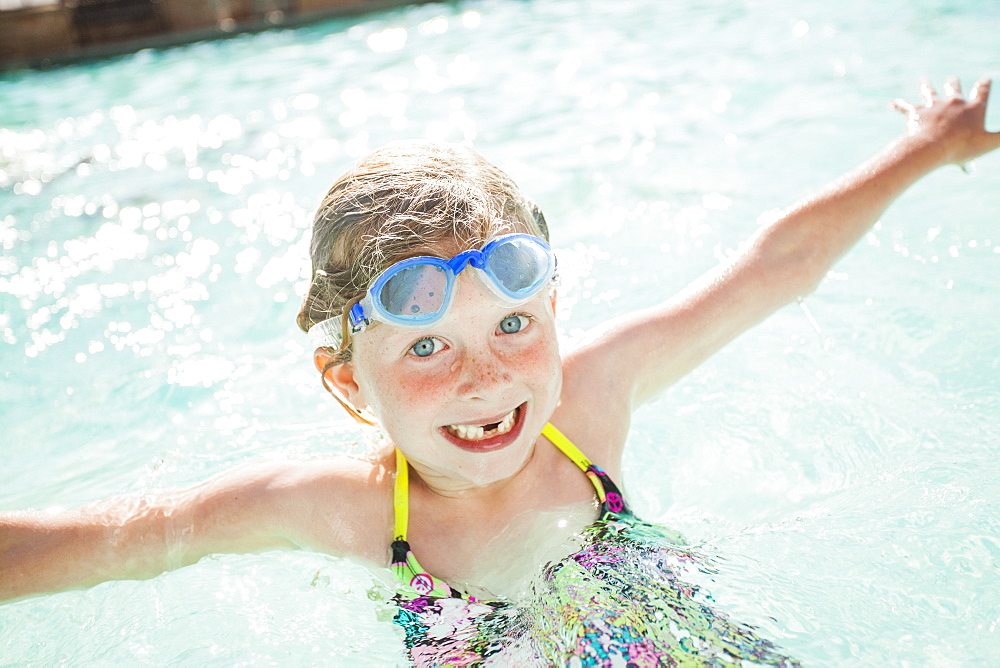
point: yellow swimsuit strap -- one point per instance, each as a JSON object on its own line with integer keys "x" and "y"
{"x": 560, "y": 441}
{"x": 404, "y": 564}
{"x": 401, "y": 496}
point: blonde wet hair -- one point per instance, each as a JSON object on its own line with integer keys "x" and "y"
{"x": 402, "y": 200}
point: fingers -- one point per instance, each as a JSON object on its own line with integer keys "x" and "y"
{"x": 927, "y": 93}
{"x": 901, "y": 105}
{"x": 981, "y": 91}
{"x": 952, "y": 87}
{"x": 953, "y": 103}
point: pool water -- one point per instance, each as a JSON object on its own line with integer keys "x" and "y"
{"x": 839, "y": 462}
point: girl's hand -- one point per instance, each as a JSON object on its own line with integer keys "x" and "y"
{"x": 953, "y": 124}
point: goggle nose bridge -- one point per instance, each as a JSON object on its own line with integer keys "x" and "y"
{"x": 473, "y": 256}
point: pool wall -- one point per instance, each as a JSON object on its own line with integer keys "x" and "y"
{"x": 39, "y": 34}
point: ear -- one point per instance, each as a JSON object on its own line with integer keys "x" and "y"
{"x": 339, "y": 376}
{"x": 552, "y": 300}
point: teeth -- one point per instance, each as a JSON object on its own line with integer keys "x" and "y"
{"x": 468, "y": 432}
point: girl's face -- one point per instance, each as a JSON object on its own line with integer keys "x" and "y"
{"x": 466, "y": 399}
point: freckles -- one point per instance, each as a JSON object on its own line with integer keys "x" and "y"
{"x": 417, "y": 386}
{"x": 535, "y": 361}
{"x": 535, "y": 355}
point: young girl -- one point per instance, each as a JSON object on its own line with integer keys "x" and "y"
{"x": 494, "y": 501}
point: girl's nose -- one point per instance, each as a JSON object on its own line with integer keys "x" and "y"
{"x": 483, "y": 375}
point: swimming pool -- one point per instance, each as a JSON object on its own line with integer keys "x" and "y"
{"x": 154, "y": 215}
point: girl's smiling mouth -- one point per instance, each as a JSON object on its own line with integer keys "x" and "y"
{"x": 487, "y": 436}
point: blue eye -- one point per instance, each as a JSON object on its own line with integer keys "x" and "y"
{"x": 512, "y": 324}
{"x": 425, "y": 347}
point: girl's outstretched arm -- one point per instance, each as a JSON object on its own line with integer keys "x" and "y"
{"x": 252, "y": 508}
{"x": 788, "y": 257}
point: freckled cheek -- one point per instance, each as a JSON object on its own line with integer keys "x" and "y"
{"x": 423, "y": 388}
{"x": 538, "y": 362}
{"x": 397, "y": 388}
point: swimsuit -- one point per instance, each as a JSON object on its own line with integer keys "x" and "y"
{"x": 618, "y": 600}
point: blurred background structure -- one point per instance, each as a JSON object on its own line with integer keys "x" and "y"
{"x": 42, "y": 32}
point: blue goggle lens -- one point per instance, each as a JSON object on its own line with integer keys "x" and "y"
{"x": 416, "y": 292}
{"x": 518, "y": 266}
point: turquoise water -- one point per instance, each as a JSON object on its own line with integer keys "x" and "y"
{"x": 154, "y": 217}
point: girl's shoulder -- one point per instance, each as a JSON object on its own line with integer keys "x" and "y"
{"x": 337, "y": 472}
{"x": 595, "y": 408}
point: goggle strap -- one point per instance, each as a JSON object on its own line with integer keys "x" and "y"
{"x": 358, "y": 321}
{"x": 325, "y": 334}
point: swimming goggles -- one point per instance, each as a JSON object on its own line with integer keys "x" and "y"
{"x": 415, "y": 293}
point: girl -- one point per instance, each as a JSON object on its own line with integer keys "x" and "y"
{"x": 432, "y": 312}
